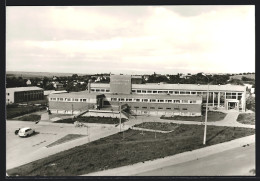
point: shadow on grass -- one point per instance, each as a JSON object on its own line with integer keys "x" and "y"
{"x": 218, "y": 133}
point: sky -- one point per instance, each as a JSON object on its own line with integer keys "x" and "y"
{"x": 131, "y": 39}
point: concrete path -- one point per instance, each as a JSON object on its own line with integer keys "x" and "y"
{"x": 175, "y": 159}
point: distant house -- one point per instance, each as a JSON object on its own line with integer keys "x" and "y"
{"x": 58, "y": 86}
{"x": 28, "y": 82}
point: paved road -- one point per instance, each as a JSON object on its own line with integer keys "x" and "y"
{"x": 20, "y": 151}
{"x": 235, "y": 162}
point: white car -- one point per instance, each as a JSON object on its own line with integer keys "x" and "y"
{"x": 24, "y": 132}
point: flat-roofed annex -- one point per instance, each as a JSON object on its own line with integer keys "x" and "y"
{"x": 82, "y": 94}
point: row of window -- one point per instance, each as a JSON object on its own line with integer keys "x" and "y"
{"x": 69, "y": 99}
{"x": 155, "y": 100}
{"x": 160, "y": 108}
{"x": 168, "y": 92}
{"x": 100, "y": 90}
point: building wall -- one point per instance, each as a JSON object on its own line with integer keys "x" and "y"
{"x": 164, "y": 108}
{"x": 120, "y": 84}
{"x": 23, "y": 96}
{"x": 69, "y": 107}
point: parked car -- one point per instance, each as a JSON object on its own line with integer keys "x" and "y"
{"x": 24, "y": 132}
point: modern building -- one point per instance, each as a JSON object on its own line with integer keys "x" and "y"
{"x": 23, "y": 94}
{"x": 74, "y": 102}
{"x": 220, "y": 96}
{"x": 158, "y": 99}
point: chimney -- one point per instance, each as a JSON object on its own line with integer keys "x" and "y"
{"x": 89, "y": 85}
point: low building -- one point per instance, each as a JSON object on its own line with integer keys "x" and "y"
{"x": 74, "y": 102}
{"x": 23, "y": 94}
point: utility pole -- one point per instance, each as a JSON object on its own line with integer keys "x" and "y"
{"x": 71, "y": 109}
{"x": 206, "y": 116}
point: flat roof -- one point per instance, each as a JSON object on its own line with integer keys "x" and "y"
{"x": 20, "y": 89}
{"x": 82, "y": 94}
{"x": 190, "y": 87}
{"x": 155, "y": 96}
{"x": 163, "y": 86}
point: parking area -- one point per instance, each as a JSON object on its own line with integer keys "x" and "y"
{"x": 24, "y": 150}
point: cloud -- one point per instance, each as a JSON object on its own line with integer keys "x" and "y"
{"x": 132, "y": 38}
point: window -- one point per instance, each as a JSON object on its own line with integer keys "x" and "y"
{"x": 193, "y": 92}
{"x": 160, "y": 100}
{"x": 84, "y": 100}
{"x": 177, "y": 101}
{"x": 187, "y": 92}
{"x": 68, "y": 99}
{"x": 144, "y": 107}
{"x": 171, "y": 92}
{"x": 185, "y": 101}
{"x": 8, "y": 94}
{"x": 145, "y": 100}
{"x": 176, "y": 108}
{"x": 168, "y": 108}
{"x": 130, "y": 99}
{"x": 182, "y": 92}
{"x": 165, "y": 92}
{"x": 97, "y": 90}
{"x": 184, "y": 109}
{"x": 80, "y": 100}
{"x": 152, "y": 100}
{"x": 169, "y": 100}
{"x": 121, "y": 99}
{"x": 160, "y": 108}
{"x": 102, "y": 90}
{"x": 107, "y": 90}
{"x": 160, "y": 92}
{"x": 152, "y": 107}
{"x": 149, "y": 92}
{"x": 136, "y": 107}
{"x": 61, "y": 99}
{"x": 54, "y": 99}
{"x": 76, "y": 100}
{"x": 192, "y": 102}
{"x": 93, "y": 90}
{"x": 199, "y": 93}
{"x": 176, "y": 92}
{"x": 137, "y": 100}
{"x": 133, "y": 90}
{"x": 155, "y": 92}
{"x": 113, "y": 99}
{"x": 143, "y": 91}
{"x": 138, "y": 91}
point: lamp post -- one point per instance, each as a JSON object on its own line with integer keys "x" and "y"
{"x": 120, "y": 116}
{"x": 206, "y": 115}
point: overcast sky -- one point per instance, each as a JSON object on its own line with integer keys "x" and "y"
{"x": 131, "y": 39}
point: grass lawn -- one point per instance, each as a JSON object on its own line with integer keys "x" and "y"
{"x": 12, "y": 112}
{"x": 66, "y": 138}
{"x": 212, "y": 116}
{"x": 102, "y": 120}
{"x": 31, "y": 117}
{"x": 158, "y": 126}
{"x": 113, "y": 151}
{"x": 246, "y": 118}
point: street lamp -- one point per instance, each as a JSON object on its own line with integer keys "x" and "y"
{"x": 206, "y": 116}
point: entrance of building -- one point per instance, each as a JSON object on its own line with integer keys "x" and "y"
{"x": 232, "y": 105}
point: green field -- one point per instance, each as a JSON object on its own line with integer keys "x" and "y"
{"x": 65, "y": 139}
{"x": 15, "y": 111}
{"x": 31, "y": 117}
{"x": 157, "y": 126}
{"x": 246, "y": 118}
{"x": 114, "y": 151}
{"x": 212, "y": 116}
{"x": 91, "y": 119}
